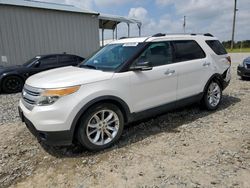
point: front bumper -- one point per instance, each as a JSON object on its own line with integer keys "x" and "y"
{"x": 242, "y": 71}
{"x": 53, "y": 138}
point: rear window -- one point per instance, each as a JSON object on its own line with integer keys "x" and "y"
{"x": 187, "y": 50}
{"x": 216, "y": 46}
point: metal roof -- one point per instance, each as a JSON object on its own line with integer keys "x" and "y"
{"x": 108, "y": 21}
{"x": 46, "y": 5}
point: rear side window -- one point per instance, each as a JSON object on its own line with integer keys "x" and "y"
{"x": 187, "y": 50}
{"x": 67, "y": 59}
{"x": 51, "y": 60}
{"x": 216, "y": 46}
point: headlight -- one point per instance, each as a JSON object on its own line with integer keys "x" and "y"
{"x": 49, "y": 96}
{"x": 245, "y": 64}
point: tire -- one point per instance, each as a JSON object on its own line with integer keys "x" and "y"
{"x": 98, "y": 129}
{"x": 12, "y": 84}
{"x": 212, "y": 96}
{"x": 243, "y": 78}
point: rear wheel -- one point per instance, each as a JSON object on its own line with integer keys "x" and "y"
{"x": 212, "y": 96}
{"x": 12, "y": 84}
{"x": 100, "y": 126}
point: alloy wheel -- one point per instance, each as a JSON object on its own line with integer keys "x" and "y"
{"x": 102, "y": 127}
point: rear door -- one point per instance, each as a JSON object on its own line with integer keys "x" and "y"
{"x": 192, "y": 66}
{"x": 154, "y": 87}
{"x": 67, "y": 60}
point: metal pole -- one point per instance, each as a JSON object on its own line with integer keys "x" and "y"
{"x": 102, "y": 37}
{"x": 139, "y": 27}
{"x": 116, "y": 30}
{"x": 234, "y": 20}
{"x": 128, "y": 30}
{"x": 184, "y": 24}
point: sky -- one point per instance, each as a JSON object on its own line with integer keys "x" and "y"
{"x": 166, "y": 16}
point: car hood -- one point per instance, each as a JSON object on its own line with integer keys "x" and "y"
{"x": 67, "y": 76}
{"x": 9, "y": 68}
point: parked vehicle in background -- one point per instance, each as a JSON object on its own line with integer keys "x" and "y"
{"x": 126, "y": 80}
{"x": 12, "y": 78}
{"x": 244, "y": 69}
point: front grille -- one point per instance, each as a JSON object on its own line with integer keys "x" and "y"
{"x": 30, "y": 96}
{"x": 248, "y": 66}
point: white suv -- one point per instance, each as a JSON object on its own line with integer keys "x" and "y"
{"x": 127, "y": 80}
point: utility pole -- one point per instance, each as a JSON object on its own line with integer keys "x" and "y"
{"x": 184, "y": 24}
{"x": 234, "y": 19}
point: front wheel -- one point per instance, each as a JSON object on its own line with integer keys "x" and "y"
{"x": 100, "y": 126}
{"x": 212, "y": 96}
{"x": 12, "y": 84}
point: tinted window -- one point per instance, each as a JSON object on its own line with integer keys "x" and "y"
{"x": 187, "y": 50}
{"x": 67, "y": 59}
{"x": 217, "y": 47}
{"x": 157, "y": 53}
{"x": 52, "y": 60}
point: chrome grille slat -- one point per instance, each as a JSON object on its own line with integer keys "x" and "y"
{"x": 30, "y": 96}
{"x": 29, "y": 101}
{"x": 31, "y": 92}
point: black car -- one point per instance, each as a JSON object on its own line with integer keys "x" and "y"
{"x": 12, "y": 78}
{"x": 244, "y": 69}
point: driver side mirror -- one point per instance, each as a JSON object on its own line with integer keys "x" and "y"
{"x": 37, "y": 64}
{"x": 142, "y": 66}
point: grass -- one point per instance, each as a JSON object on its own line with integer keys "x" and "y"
{"x": 238, "y": 50}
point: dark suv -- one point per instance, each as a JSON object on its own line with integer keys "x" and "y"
{"x": 12, "y": 78}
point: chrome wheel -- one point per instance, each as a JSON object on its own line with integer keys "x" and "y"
{"x": 214, "y": 94}
{"x": 102, "y": 127}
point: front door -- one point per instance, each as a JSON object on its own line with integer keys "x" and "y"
{"x": 154, "y": 87}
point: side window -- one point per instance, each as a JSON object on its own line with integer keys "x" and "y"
{"x": 67, "y": 59}
{"x": 52, "y": 60}
{"x": 187, "y": 50}
{"x": 158, "y": 54}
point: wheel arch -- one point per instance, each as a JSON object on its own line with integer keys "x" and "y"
{"x": 104, "y": 99}
{"x": 217, "y": 77}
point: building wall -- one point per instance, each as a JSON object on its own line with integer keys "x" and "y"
{"x": 26, "y": 32}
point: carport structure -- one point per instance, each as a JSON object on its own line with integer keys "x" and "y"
{"x": 110, "y": 22}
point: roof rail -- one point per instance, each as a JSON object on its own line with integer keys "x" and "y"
{"x": 159, "y": 35}
{"x": 193, "y": 34}
{"x": 208, "y": 34}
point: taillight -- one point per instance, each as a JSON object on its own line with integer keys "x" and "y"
{"x": 229, "y": 59}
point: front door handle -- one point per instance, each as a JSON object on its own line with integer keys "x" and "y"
{"x": 169, "y": 72}
{"x": 206, "y": 64}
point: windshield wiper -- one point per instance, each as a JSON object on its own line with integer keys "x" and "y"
{"x": 89, "y": 66}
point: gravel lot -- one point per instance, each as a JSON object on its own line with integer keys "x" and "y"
{"x": 184, "y": 148}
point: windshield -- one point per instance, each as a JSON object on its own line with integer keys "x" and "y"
{"x": 110, "y": 57}
{"x": 31, "y": 61}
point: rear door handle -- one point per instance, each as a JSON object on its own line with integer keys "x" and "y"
{"x": 206, "y": 64}
{"x": 169, "y": 72}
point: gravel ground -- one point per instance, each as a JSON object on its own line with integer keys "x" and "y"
{"x": 184, "y": 148}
